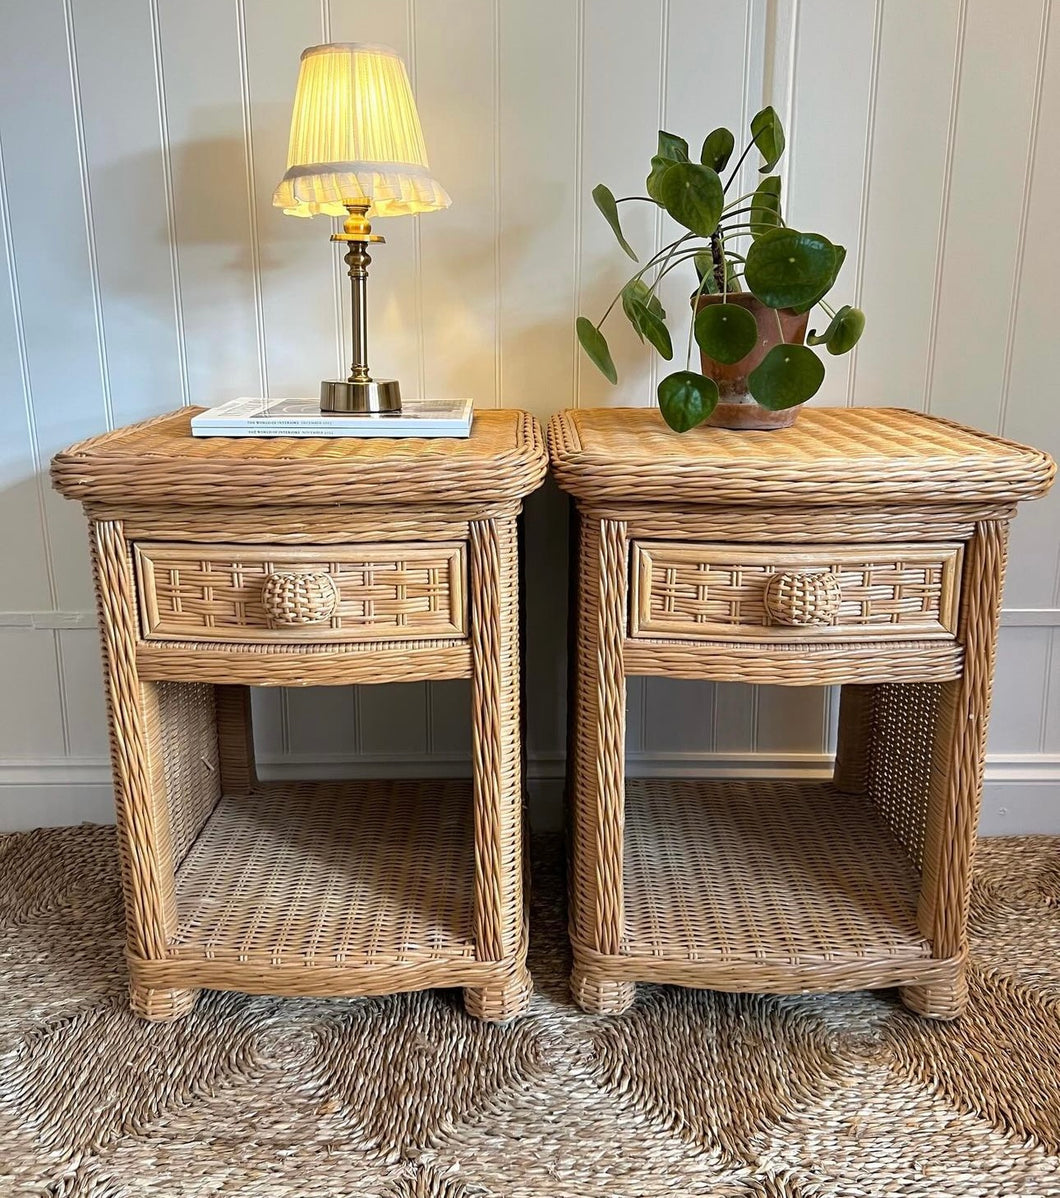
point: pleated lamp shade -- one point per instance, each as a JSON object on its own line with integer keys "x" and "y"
{"x": 356, "y": 137}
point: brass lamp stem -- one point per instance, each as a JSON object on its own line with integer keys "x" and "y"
{"x": 358, "y": 260}
{"x": 360, "y": 392}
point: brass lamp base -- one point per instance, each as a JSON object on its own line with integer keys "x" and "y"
{"x": 344, "y": 398}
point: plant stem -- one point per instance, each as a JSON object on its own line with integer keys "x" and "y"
{"x": 750, "y": 195}
{"x": 736, "y": 168}
{"x": 669, "y": 265}
{"x": 692, "y": 322}
{"x": 646, "y": 199}
{"x": 718, "y": 254}
{"x": 652, "y": 261}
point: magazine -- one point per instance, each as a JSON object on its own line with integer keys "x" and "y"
{"x": 256, "y": 417}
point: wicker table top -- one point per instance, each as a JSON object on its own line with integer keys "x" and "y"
{"x": 830, "y": 456}
{"x": 158, "y": 462}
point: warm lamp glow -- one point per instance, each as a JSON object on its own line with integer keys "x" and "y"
{"x": 355, "y": 137}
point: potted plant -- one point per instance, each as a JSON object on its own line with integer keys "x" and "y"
{"x": 758, "y": 280}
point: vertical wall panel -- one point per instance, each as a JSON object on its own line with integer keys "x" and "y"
{"x": 204, "y": 114}
{"x": 1021, "y": 687}
{"x": 320, "y": 721}
{"x": 679, "y": 715}
{"x": 449, "y": 719}
{"x": 833, "y": 95}
{"x": 26, "y": 588}
{"x": 127, "y": 186}
{"x": 83, "y": 699}
{"x": 905, "y": 196}
{"x": 1051, "y": 713}
{"x": 31, "y": 725}
{"x": 736, "y": 718}
{"x": 454, "y": 53}
{"x": 394, "y": 719}
{"x": 44, "y": 175}
{"x": 1033, "y": 349}
{"x": 536, "y": 205}
{"x": 622, "y": 57}
{"x": 986, "y": 194}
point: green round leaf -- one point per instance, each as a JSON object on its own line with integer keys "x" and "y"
{"x": 647, "y": 316}
{"x": 659, "y": 167}
{"x": 788, "y": 375}
{"x": 786, "y": 268}
{"x": 725, "y": 332}
{"x": 693, "y": 196}
{"x": 768, "y": 134}
{"x": 687, "y": 399}
{"x": 765, "y": 207}
{"x": 673, "y": 147}
{"x": 595, "y": 345}
{"x": 606, "y": 202}
{"x": 717, "y": 149}
{"x": 849, "y": 325}
{"x": 840, "y": 258}
{"x": 842, "y": 333}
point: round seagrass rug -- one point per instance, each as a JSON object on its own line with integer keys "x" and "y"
{"x": 690, "y": 1093}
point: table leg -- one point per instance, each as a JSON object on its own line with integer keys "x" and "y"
{"x": 853, "y": 740}
{"x": 957, "y": 776}
{"x": 235, "y": 739}
{"x": 500, "y": 907}
{"x": 145, "y": 849}
{"x": 597, "y": 771}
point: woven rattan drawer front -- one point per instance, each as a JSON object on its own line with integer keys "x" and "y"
{"x": 263, "y": 593}
{"x": 690, "y": 591}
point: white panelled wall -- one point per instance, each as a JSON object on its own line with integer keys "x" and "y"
{"x": 143, "y": 267}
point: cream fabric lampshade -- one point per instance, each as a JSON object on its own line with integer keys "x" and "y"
{"x": 355, "y": 136}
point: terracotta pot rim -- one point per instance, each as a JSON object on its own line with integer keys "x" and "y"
{"x": 695, "y": 300}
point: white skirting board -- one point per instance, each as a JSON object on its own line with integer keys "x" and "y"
{"x": 1021, "y": 794}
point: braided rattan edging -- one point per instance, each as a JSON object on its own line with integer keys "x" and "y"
{"x": 157, "y": 464}
{"x": 303, "y": 665}
{"x": 503, "y": 978}
{"x": 923, "y": 459}
{"x": 797, "y": 664}
{"x": 818, "y": 977}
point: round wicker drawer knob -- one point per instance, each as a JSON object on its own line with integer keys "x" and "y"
{"x": 291, "y": 599}
{"x": 802, "y": 598}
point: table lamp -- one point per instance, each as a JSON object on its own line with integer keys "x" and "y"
{"x": 356, "y": 150}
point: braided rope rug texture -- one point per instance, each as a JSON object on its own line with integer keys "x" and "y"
{"x": 689, "y": 1093}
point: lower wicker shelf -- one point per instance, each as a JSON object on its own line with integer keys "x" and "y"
{"x": 291, "y": 879}
{"x": 775, "y": 886}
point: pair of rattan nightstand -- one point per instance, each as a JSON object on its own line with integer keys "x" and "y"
{"x": 860, "y": 548}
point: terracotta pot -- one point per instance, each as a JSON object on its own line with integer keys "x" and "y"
{"x": 737, "y": 407}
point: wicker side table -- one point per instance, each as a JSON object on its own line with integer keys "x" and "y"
{"x": 864, "y": 548}
{"x": 223, "y": 564}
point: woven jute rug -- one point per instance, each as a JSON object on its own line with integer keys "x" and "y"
{"x": 689, "y": 1093}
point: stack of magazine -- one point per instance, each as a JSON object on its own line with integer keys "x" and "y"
{"x": 254, "y": 417}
